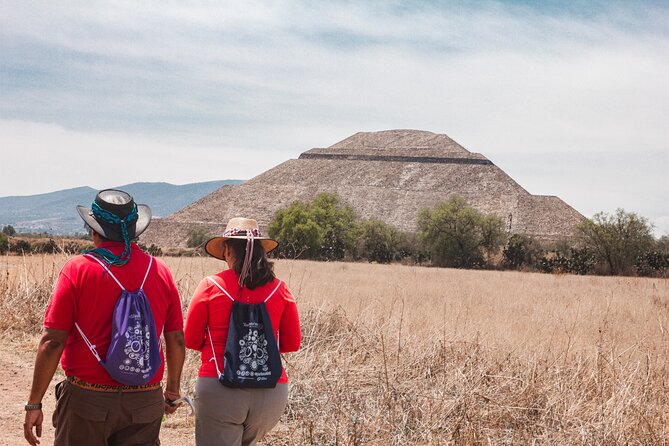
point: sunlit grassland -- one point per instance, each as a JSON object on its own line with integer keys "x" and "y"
{"x": 409, "y": 355}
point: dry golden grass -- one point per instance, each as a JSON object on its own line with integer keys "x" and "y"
{"x": 397, "y": 355}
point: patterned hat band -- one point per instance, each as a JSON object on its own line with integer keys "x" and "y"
{"x": 232, "y": 232}
{"x": 112, "y": 218}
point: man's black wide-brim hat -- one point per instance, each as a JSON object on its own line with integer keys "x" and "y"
{"x": 120, "y": 204}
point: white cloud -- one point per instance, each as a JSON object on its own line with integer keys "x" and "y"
{"x": 47, "y": 157}
{"x": 547, "y": 96}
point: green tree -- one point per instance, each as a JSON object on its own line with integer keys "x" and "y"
{"x": 377, "y": 241}
{"x": 338, "y": 223}
{"x": 297, "y": 232}
{"x": 493, "y": 236}
{"x": 457, "y": 235}
{"x": 321, "y": 229}
{"x": 616, "y": 240}
{"x": 520, "y": 251}
{"x": 653, "y": 263}
{"x": 9, "y": 230}
{"x": 663, "y": 244}
{"x": 4, "y": 243}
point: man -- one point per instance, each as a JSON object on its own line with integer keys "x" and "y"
{"x": 92, "y": 407}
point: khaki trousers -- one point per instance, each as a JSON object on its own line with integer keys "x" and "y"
{"x": 90, "y": 418}
{"x": 235, "y": 417}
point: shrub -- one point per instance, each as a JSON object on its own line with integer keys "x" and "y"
{"x": 616, "y": 240}
{"x": 521, "y": 251}
{"x": 377, "y": 241}
{"x": 20, "y": 246}
{"x": 9, "y": 231}
{"x": 47, "y": 247}
{"x": 4, "y": 243}
{"x": 76, "y": 246}
{"x": 322, "y": 229}
{"x": 152, "y": 250}
{"x": 458, "y": 235}
{"x": 575, "y": 261}
{"x": 662, "y": 244}
{"x": 197, "y": 237}
{"x": 653, "y": 263}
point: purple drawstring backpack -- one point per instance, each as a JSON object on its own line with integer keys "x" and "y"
{"x": 133, "y": 357}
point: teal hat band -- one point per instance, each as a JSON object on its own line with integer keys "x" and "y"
{"x": 104, "y": 254}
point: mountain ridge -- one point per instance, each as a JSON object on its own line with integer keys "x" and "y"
{"x": 54, "y": 212}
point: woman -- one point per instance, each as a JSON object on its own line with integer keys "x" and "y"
{"x": 239, "y": 416}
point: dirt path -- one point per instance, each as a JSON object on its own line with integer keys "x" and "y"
{"x": 16, "y": 366}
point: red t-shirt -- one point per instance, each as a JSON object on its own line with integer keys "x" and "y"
{"x": 210, "y": 307}
{"x": 86, "y": 294}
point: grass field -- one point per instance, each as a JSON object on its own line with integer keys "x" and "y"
{"x": 399, "y": 355}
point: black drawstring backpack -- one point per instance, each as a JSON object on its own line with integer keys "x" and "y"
{"x": 251, "y": 358}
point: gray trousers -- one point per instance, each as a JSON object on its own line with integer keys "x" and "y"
{"x": 234, "y": 417}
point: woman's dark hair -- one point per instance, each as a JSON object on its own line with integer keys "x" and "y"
{"x": 262, "y": 270}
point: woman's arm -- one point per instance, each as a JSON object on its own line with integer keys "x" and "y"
{"x": 290, "y": 334}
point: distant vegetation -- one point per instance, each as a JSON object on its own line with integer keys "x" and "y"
{"x": 457, "y": 235}
{"x": 197, "y": 237}
{"x": 22, "y": 244}
{"x": 323, "y": 229}
{"x": 453, "y": 234}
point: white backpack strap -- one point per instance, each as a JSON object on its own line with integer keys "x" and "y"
{"x": 106, "y": 268}
{"x": 141, "y": 287}
{"x": 220, "y": 288}
{"x": 273, "y": 291}
{"x": 213, "y": 352}
{"x": 91, "y": 347}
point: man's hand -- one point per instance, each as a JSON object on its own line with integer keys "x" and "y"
{"x": 48, "y": 354}
{"x": 33, "y": 419}
{"x": 171, "y": 396}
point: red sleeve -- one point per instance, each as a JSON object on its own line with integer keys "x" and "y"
{"x": 290, "y": 334}
{"x": 196, "y": 320}
{"x": 61, "y": 313}
{"x": 174, "y": 320}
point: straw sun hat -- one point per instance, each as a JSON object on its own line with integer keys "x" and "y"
{"x": 242, "y": 229}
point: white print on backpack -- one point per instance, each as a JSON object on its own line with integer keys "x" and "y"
{"x": 134, "y": 345}
{"x": 253, "y": 353}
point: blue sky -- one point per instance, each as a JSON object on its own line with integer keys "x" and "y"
{"x": 569, "y": 100}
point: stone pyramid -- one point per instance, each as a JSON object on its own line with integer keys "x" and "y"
{"x": 388, "y": 175}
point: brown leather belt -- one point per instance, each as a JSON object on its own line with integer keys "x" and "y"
{"x": 106, "y": 388}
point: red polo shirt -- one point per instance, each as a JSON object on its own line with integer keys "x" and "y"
{"x": 211, "y": 308}
{"x": 86, "y": 294}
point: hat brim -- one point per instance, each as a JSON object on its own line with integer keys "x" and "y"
{"x": 113, "y": 232}
{"x": 214, "y": 247}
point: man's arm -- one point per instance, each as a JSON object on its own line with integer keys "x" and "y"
{"x": 48, "y": 355}
{"x": 175, "y": 352}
